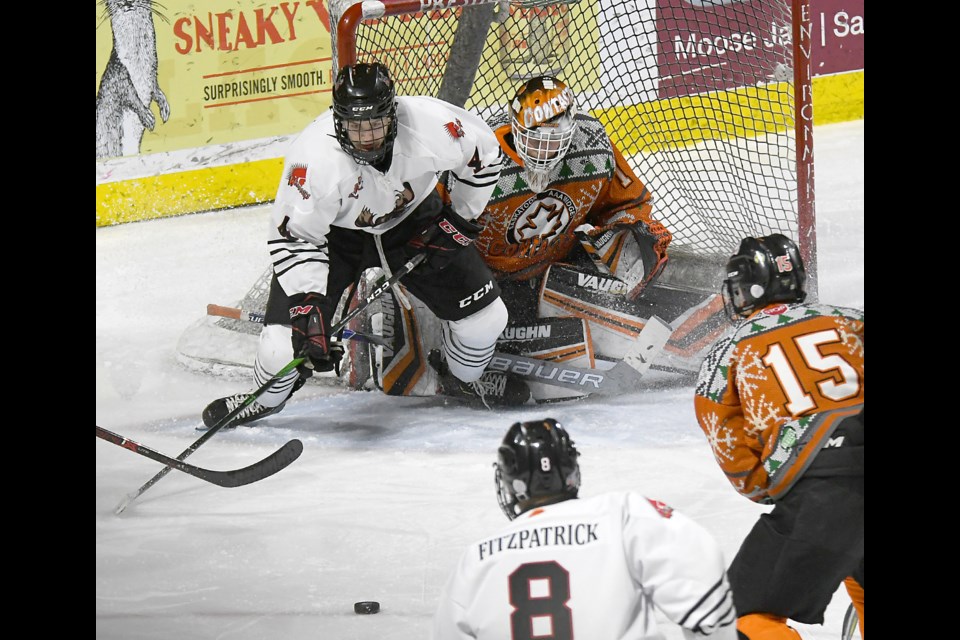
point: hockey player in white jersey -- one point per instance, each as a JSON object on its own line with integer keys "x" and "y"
{"x": 358, "y": 191}
{"x": 592, "y": 568}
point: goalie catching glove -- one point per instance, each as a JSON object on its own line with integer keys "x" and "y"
{"x": 441, "y": 239}
{"x": 640, "y": 260}
{"x": 310, "y": 335}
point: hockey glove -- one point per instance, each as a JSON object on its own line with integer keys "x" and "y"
{"x": 648, "y": 258}
{"x": 311, "y": 338}
{"x": 441, "y": 239}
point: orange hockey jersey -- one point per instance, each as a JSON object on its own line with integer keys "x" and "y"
{"x": 770, "y": 394}
{"x": 525, "y": 232}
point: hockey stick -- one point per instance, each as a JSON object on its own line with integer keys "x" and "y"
{"x": 623, "y": 377}
{"x": 293, "y": 364}
{"x": 130, "y": 497}
{"x": 591, "y": 250}
{"x": 258, "y": 318}
{"x": 265, "y": 468}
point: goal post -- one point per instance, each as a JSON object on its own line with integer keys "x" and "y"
{"x": 709, "y": 100}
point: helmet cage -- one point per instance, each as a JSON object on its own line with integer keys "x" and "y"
{"x": 543, "y": 122}
{"x": 364, "y": 92}
{"x": 543, "y": 146}
{"x": 536, "y": 460}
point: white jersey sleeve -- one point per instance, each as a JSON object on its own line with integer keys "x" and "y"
{"x": 589, "y": 568}
{"x": 474, "y": 158}
{"x": 680, "y": 564}
{"x": 306, "y": 206}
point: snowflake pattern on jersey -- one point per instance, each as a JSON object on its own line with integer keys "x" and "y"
{"x": 763, "y": 416}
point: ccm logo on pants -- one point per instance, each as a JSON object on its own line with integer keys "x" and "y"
{"x": 479, "y": 293}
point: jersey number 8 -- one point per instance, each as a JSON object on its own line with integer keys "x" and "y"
{"x": 539, "y": 592}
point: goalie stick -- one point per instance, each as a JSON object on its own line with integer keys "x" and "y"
{"x": 279, "y": 459}
{"x": 293, "y": 364}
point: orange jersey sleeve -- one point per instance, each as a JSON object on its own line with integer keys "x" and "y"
{"x": 624, "y": 199}
{"x": 627, "y": 200}
{"x": 769, "y": 395}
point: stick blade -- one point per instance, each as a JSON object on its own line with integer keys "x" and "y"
{"x": 275, "y": 462}
{"x": 123, "y": 504}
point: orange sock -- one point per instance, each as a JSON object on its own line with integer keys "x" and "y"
{"x": 763, "y": 626}
{"x": 856, "y": 595}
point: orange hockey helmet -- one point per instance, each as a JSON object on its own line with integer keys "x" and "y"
{"x": 543, "y": 119}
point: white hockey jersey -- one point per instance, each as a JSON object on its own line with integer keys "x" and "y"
{"x": 323, "y": 187}
{"x": 592, "y": 569}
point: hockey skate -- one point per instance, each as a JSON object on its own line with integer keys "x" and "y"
{"x": 494, "y": 388}
{"x": 219, "y": 408}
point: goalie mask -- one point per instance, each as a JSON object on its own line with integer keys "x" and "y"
{"x": 365, "y": 112}
{"x": 543, "y": 121}
{"x": 763, "y": 271}
{"x": 536, "y": 464}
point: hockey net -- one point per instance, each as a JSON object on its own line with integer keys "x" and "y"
{"x": 709, "y": 101}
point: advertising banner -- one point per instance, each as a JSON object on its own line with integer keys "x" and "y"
{"x": 837, "y": 36}
{"x": 214, "y": 72}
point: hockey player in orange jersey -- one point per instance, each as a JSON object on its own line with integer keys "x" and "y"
{"x": 562, "y": 172}
{"x": 781, "y": 403}
{"x": 569, "y": 232}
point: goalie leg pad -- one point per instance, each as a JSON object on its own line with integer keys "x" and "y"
{"x": 402, "y": 368}
{"x": 556, "y": 340}
{"x": 613, "y": 322}
{"x": 359, "y": 357}
{"x": 699, "y": 319}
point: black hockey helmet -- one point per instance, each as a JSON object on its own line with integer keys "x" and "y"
{"x": 365, "y": 92}
{"x": 764, "y": 270}
{"x": 536, "y": 465}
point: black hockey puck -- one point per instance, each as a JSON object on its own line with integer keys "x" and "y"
{"x": 367, "y": 606}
